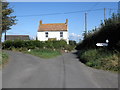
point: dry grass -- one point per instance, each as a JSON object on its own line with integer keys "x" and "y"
{"x": 100, "y": 58}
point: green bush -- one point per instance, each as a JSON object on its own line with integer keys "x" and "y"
{"x": 48, "y": 44}
{"x": 62, "y": 43}
{"x": 69, "y": 47}
{"x": 38, "y": 44}
{"x": 56, "y": 44}
{"x": 7, "y": 44}
{"x": 29, "y": 44}
{"x": 18, "y": 43}
{"x": 72, "y": 43}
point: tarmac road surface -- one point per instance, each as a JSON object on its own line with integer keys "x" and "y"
{"x": 65, "y": 71}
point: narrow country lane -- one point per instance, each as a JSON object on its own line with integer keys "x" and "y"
{"x": 27, "y": 71}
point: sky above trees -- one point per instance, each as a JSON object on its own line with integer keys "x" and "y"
{"x": 30, "y": 13}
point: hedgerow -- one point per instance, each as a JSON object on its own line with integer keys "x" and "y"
{"x": 32, "y": 44}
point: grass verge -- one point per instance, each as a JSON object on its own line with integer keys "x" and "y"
{"x": 44, "y": 53}
{"x": 3, "y": 58}
{"x": 100, "y": 59}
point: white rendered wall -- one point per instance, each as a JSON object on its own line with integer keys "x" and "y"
{"x": 52, "y": 34}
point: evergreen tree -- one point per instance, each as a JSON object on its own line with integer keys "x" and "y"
{"x": 6, "y": 18}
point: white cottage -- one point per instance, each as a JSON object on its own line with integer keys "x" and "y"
{"x": 53, "y": 31}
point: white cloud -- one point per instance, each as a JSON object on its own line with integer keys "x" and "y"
{"x": 74, "y": 36}
{"x": 79, "y": 35}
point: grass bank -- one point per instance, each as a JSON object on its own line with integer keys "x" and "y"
{"x": 44, "y": 53}
{"x": 3, "y": 58}
{"x": 100, "y": 58}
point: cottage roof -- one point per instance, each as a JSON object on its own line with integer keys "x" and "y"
{"x": 53, "y": 27}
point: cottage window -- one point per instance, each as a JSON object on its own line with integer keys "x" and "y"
{"x": 46, "y": 34}
{"x": 61, "y": 34}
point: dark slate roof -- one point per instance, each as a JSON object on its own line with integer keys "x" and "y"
{"x": 17, "y": 37}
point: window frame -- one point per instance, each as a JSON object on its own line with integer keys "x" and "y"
{"x": 61, "y": 34}
{"x": 46, "y": 34}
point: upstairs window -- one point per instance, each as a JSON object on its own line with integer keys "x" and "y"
{"x": 46, "y": 34}
{"x": 61, "y": 34}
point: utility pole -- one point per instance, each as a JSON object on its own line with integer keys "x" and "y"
{"x": 119, "y": 7}
{"x": 5, "y": 35}
{"x": 95, "y": 28}
{"x": 85, "y": 25}
{"x": 104, "y": 14}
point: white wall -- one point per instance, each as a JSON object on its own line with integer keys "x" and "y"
{"x": 52, "y": 34}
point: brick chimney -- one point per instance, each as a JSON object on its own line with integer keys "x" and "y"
{"x": 40, "y": 22}
{"x": 66, "y": 21}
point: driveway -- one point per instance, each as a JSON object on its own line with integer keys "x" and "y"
{"x": 65, "y": 71}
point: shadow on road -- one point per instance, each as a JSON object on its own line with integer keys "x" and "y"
{"x": 76, "y": 53}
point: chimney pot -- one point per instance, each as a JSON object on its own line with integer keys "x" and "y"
{"x": 66, "y": 21}
{"x": 40, "y": 22}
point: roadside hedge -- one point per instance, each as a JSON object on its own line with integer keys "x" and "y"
{"x": 109, "y": 30}
{"x": 32, "y": 44}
